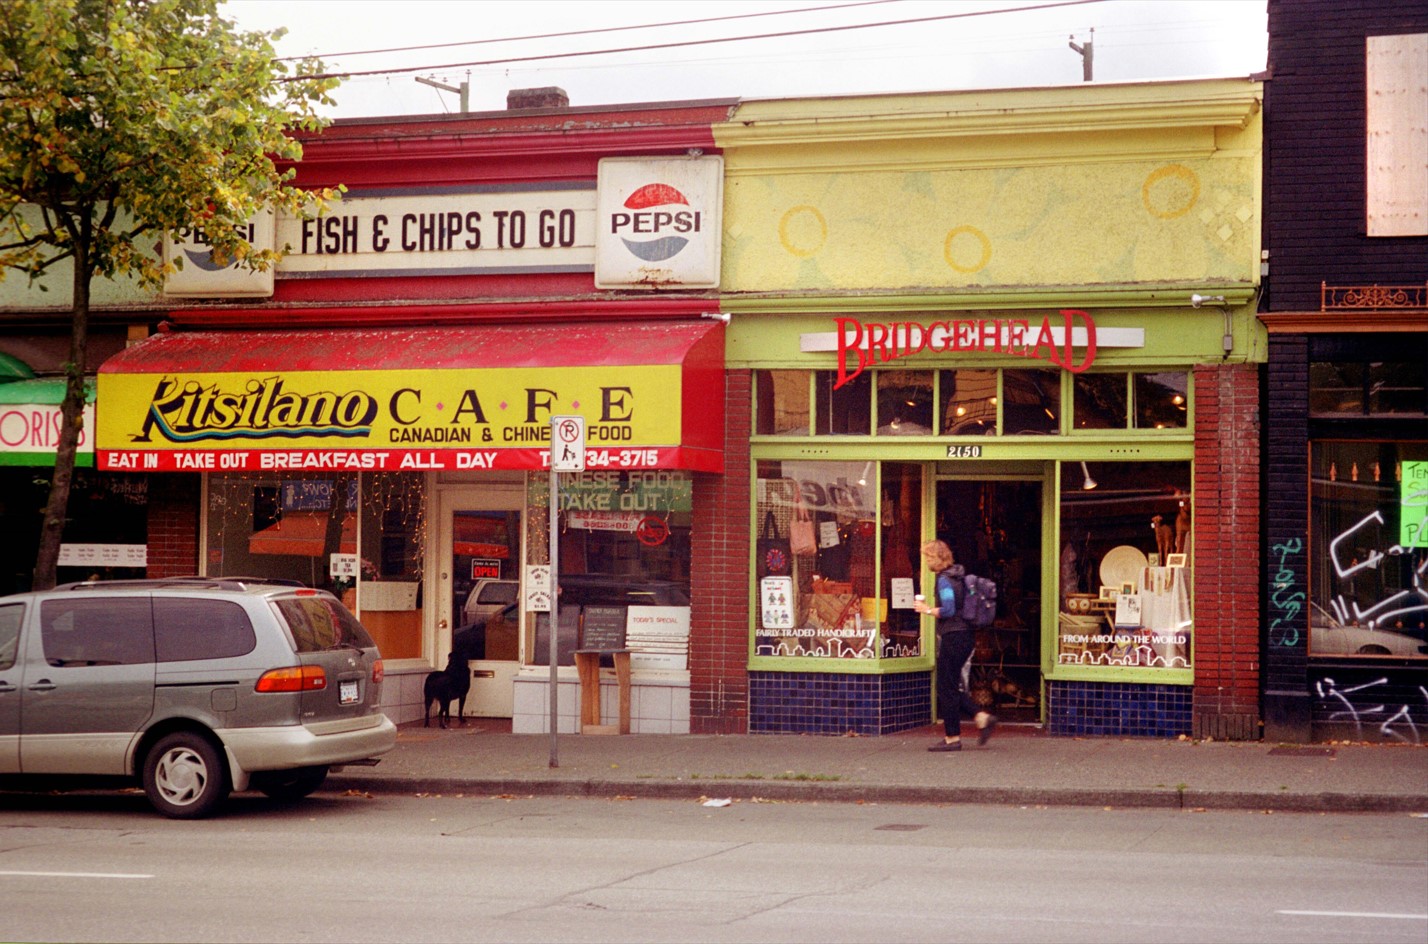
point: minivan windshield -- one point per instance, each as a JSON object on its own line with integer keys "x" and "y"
{"x": 320, "y": 622}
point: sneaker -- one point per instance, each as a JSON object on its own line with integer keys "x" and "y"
{"x": 941, "y": 746}
{"x": 984, "y": 734}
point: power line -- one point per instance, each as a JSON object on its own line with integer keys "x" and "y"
{"x": 585, "y": 32}
{"x": 686, "y": 43}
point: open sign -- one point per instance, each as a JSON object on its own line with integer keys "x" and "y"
{"x": 482, "y": 567}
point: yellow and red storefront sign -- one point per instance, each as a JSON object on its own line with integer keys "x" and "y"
{"x": 423, "y": 399}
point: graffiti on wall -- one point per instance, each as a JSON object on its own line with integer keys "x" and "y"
{"x": 1382, "y": 612}
{"x": 1394, "y": 722}
{"x": 1286, "y": 600}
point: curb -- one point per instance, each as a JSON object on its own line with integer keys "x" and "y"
{"x": 1171, "y": 799}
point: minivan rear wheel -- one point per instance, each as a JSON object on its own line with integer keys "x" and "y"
{"x": 184, "y": 776}
{"x": 289, "y": 785}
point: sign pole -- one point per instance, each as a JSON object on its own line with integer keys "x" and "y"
{"x": 554, "y": 606}
{"x": 567, "y": 454}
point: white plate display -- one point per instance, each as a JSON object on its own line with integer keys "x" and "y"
{"x": 1122, "y": 564}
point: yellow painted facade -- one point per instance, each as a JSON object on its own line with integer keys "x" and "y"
{"x": 1085, "y": 189}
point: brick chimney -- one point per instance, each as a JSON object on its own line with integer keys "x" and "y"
{"x": 549, "y": 97}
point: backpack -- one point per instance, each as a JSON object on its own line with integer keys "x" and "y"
{"x": 979, "y": 602}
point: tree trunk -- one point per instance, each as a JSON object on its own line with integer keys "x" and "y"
{"x": 71, "y": 422}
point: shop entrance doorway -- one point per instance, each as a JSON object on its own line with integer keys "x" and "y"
{"x": 994, "y": 529}
{"x": 480, "y": 614}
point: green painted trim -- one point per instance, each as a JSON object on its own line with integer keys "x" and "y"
{"x": 1178, "y": 337}
{"x": 1116, "y": 673}
{"x": 1148, "y": 447}
{"x": 1179, "y": 115}
{"x": 43, "y": 460}
{"x": 838, "y": 666}
{"x": 1046, "y": 298}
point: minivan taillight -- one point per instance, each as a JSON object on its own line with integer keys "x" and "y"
{"x": 297, "y": 678}
{"x": 378, "y": 672}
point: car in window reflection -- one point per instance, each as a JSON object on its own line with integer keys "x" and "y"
{"x": 492, "y": 634}
{"x": 611, "y": 590}
{"x": 488, "y": 597}
{"x": 1328, "y": 636}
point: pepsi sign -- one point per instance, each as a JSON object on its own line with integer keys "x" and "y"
{"x": 198, "y": 274}
{"x": 659, "y": 222}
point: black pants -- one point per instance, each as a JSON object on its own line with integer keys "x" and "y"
{"x": 952, "y": 654}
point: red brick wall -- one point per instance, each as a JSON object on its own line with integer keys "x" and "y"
{"x": 173, "y": 525}
{"x": 1227, "y": 552}
{"x": 719, "y": 630}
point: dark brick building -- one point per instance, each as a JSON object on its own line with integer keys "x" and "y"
{"x": 1346, "y": 402}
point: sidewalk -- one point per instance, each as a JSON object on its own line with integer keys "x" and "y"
{"x": 1021, "y": 765}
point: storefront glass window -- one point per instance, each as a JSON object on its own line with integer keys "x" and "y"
{"x": 105, "y": 531}
{"x": 1357, "y": 388}
{"x": 816, "y": 563}
{"x": 900, "y": 522}
{"x": 1161, "y": 400}
{"x": 1033, "y": 402}
{"x": 1126, "y": 562}
{"x": 846, "y": 410}
{"x": 289, "y": 527}
{"x": 1368, "y": 562}
{"x": 1099, "y": 401}
{"x": 905, "y": 403}
{"x": 625, "y": 564}
{"x": 782, "y": 397}
{"x": 980, "y": 402}
{"x": 969, "y": 402}
{"x": 1336, "y": 388}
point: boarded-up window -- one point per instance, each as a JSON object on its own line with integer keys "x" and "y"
{"x": 1397, "y": 153}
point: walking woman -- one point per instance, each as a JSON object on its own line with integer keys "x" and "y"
{"x": 955, "y": 643}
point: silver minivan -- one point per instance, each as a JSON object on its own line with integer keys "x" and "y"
{"x": 193, "y": 687}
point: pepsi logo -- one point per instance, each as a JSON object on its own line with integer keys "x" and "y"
{"x": 203, "y": 258}
{"x": 653, "y": 221}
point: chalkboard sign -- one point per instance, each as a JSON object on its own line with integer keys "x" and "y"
{"x": 604, "y": 628}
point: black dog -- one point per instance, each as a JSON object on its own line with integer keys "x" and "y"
{"x": 445, "y": 686}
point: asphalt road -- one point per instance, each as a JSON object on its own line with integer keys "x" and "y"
{"x": 455, "y": 868}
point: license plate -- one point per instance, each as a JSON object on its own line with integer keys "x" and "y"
{"x": 347, "y": 692}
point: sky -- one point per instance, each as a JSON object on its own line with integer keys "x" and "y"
{"x": 972, "y": 48}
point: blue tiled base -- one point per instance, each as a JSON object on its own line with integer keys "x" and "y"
{"x": 1108, "y": 708}
{"x": 828, "y": 703}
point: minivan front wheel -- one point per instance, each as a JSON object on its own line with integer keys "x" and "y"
{"x": 184, "y": 776}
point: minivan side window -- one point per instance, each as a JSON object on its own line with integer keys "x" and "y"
{"x": 189, "y": 629}
{"x": 503, "y": 593}
{"x": 10, "y": 619}
{"x": 97, "y": 632}
{"x": 319, "y": 622}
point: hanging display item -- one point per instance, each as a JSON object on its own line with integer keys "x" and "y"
{"x": 774, "y": 550}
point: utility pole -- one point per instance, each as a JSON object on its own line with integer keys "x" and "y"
{"x": 464, "y": 90}
{"x": 1087, "y": 52}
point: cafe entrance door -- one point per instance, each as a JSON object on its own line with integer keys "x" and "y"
{"x": 479, "y": 593}
{"x": 994, "y": 527}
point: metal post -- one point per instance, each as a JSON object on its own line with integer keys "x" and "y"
{"x": 554, "y": 611}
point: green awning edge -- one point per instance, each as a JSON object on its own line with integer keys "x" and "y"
{"x": 48, "y": 390}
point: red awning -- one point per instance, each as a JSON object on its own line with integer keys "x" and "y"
{"x": 452, "y": 373}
